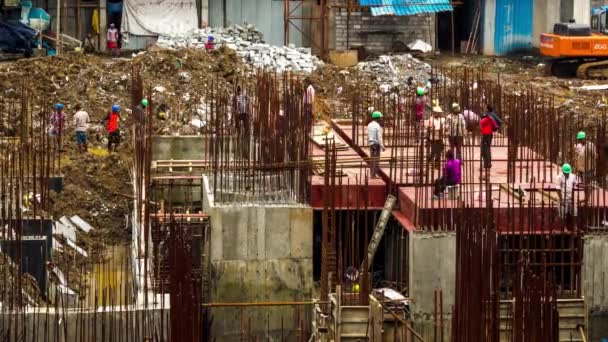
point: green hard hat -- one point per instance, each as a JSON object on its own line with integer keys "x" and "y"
{"x": 376, "y": 115}
{"x": 566, "y": 168}
{"x": 144, "y": 102}
{"x": 581, "y": 135}
{"x": 419, "y": 91}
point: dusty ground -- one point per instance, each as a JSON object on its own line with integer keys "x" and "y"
{"x": 97, "y": 185}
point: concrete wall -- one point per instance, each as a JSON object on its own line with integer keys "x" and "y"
{"x": 595, "y": 284}
{"x": 178, "y": 148}
{"x": 432, "y": 267}
{"x": 259, "y": 253}
{"x": 371, "y": 32}
{"x": 266, "y": 15}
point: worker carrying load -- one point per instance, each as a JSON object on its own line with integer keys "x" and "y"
{"x": 375, "y": 142}
{"x": 111, "y": 121}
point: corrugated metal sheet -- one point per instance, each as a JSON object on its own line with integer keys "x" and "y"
{"x": 513, "y": 30}
{"x": 406, "y": 7}
{"x": 265, "y": 15}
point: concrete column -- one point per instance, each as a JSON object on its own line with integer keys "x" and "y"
{"x": 205, "y": 12}
{"x": 489, "y": 25}
{"x": 582, "y": 11}
{"x": 103, "y": 24}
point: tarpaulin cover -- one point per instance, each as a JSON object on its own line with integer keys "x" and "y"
{"x": 158, "y": 17}
{"x": 16, "y": 36}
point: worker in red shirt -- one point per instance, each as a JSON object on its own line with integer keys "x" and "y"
{"x": 112, "y": 127}
{"x": 210, "y": 45}
{"x": 488, "y": 126}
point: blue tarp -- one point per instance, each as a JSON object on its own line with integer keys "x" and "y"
{"x": 406, "y": 7}
{"x": 16, "y": 37}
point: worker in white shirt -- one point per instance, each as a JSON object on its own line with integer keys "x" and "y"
{"x": 81, "y": 124}
{"x": 567, "y": 184}
{"x": 374, "y": 140}
{"x": 435, "y": 126}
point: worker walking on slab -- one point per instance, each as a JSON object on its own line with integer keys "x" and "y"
{"x": 456, "y": 126}
{"x": 111, "y": 121}
{"x": 567, "y": 184}
{"x": 81, "y": 125}
{"x": 375, "y": 142}
{"x": 487, "y": 126}
{"x": 585, "y": 155}
{"x": 451, "y": 174}
{"x": 436, "y": 125}
{"x": 419, "y": 107}
{"x": 57, "y": 123}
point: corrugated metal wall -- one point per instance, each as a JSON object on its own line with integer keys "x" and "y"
{"x": 266, "y": 15}
{"x": 513, "y": 30}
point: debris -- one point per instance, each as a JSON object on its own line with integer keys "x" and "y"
{"x": 80, "y": 223}
{"x": 66, "y": 222}
{"x": 68, "y": 232}
{"x": 593, "y": 87}
{"x": 419, "y": 45}
{"x": 77, "y": 249}
{"x": 248, "y": 42}
{"x": 397, "y": 69}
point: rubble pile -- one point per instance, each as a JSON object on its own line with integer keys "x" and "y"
{"x": 248, "y": 42}
{"x": 397, "y": 70}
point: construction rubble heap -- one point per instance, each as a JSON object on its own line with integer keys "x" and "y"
{"x": 248, "y": 42}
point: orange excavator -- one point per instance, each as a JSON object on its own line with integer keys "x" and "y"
{"x": 578, "y": 49}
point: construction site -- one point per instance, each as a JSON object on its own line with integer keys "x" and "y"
{"x": 246, "y": 202}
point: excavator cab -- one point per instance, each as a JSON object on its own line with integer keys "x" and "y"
{"x": 598, "y": 20}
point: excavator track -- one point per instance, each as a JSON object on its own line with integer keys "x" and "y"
{"x": 594, "y": 70}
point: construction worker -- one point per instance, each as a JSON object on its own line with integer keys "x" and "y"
{"x": 487, "y": 127}
{"x": 419, "y": 107}
{"x": 140, "y": 110}
{"x": 112, "y": 40}
{"x": 494, "y": 116}
{"x": 57, "y": 123}
{"x": 375, "y": 142}
{"x": 309, "y": 100}
{"x": 111, "y": 121}
{"x": 435, "y": 126}
{"x": 81, "y": 124}
{"x": 456, "y": 126}
{"x": 585, "y": 155}
{"x": 567, "y": 184}
{"x": 243, "y": 124}
{"x": 210, "y": 44}
{"x": 451, "y": 174}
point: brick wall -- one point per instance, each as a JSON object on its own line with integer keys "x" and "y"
{"x": 375, "y": 32}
